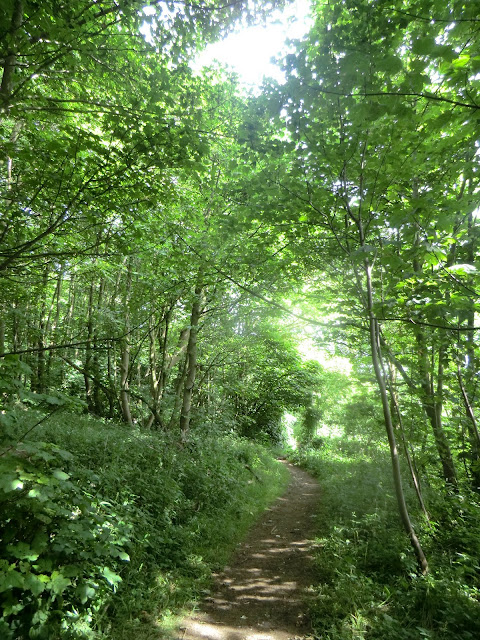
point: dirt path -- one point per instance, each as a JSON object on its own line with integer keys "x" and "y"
{"x": 261, "y": 594}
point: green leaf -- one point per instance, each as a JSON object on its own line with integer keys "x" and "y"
{"x": 60, "y": 475}
{"x": 423, "y": 46}
{"x": 461, "y": 61}
{"x": 10, "y": 482}
{"x": 415, "y": 82}
{"x": 11, "y": 580}
{"x": 118, "y": 553}
{"x": 111, "y": 577}
{"x": 55, "y": 400}
{"x": 58, "y": 583}
{"x": 39, "y": 618}
{"x": 22, "y": 551}
{"x": 36, "y": 584}
{"x": 85, "y": 592}
{"x": 390, "y": 64}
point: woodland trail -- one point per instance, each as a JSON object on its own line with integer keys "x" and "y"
{"x": 261, "y": 594}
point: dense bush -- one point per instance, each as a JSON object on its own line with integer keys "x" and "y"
{"x": 62, "y": 543}
{"x": 368, "y": 583}
{"x": 103, "y": 526}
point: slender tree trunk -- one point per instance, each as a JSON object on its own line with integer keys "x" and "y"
{"x": 70, "y": 306}
{"x": 15, "y": 327}
{"x": 395, "y": 411}
{"x": 431, "y": 408}
{"x": 468, "y": 386}
{"x": 111, "y": 396}
{"x": 2, "y": 331}
{"x": 114, "y": 401}
{"x": 52, "y": 323}
{"x": 87, "y": 375}
{"x": 163, "y": 340}
{"x": 68, "y": 319}
{"x": 468, "y": 409}
{"x": 191, "y": 359}
{"x": 179, "y": 358}
{"x": 397, "y": 477}
{"x": 40, "y": 378}
{"x": 97, "y": 402}
{"x": 472, "y": 243}
{"x": 158, "y": 369}
{"x": 124, "y": 385}
{"x": 473, "y": 433}
{"x": 432, "y": 404}
{"x": 375, "y": 348}
{"x": 152, "y": 362}
{"x": 125, "y": 355}
{"x": 179, "y": 384}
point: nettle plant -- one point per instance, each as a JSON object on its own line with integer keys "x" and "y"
{"x": 62, "y": 546}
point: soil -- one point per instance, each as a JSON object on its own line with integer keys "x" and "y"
{"x": 262, "y": 594}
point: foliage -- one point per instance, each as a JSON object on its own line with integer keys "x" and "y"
{"x": 368, "y": 586}
{"x": 62, "y": 545}
{"x": 266, "y": 379}
{"x": 119, "y": 524}
{"x": 158, "y": 228}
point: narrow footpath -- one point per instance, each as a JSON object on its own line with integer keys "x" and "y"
{"x": 261, "y": 594}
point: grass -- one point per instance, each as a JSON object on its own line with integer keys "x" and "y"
{"x": 368, "y": 586}
{"x": 132, "y": 524}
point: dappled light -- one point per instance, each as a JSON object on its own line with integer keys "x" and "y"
{"x": 202, "y": 284}
{"x": 263, "y": 591}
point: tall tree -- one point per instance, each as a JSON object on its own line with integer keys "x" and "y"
{"x": 371, "y": 121}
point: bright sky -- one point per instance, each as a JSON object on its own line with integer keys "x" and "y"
{"x": 249, "y": 51}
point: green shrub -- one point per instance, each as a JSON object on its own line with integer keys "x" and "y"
{"x": 368, "y": 585}
{"x": 103, "y": 524}
{"x": 61, "y": 544}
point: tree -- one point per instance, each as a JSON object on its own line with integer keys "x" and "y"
{"x": 375, "y": 157}
{"x": 91, "y": 219}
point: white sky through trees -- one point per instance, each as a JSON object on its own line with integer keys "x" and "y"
{"x": 249, "y": 50}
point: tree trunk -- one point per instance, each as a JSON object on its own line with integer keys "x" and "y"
{"x": 111, "y": 396}
{"x": 2, "y": 331}
{"x": 397, "y": 478}
{"x": 471, "y": 363}
{"x": 473, "y": 433}
{"x": 158, "y": 369}
{"x": 52, "y": 323}
{"x": 191, "y": 360}
{"x": 375, "y": 349}
{"x": 432, "y": 404}
{"x": 395, "y": 410}
{"x": 40, "y": 379}
{"x": 87, "y": 375}
{"x": 182, "y": 370}
{"x": 15, "y": 326}
{"x": 125, "y": 355}
{"x": 97, "y": 402}
{"x": 432, "y": 409}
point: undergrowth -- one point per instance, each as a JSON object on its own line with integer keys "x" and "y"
{"x": 368, "y": 586}
{"x": 107, "y": 531}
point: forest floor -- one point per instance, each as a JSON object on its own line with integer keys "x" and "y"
{"x": 262, "y": 594}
